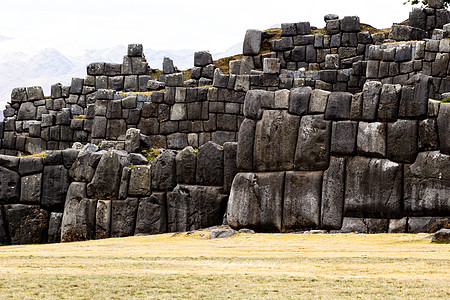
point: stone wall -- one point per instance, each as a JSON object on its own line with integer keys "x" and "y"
{"x": 84, "y": 194}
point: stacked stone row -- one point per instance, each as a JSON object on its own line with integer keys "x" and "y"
{"x": 310, "y": 155}
{"x": 62, "y": 196}
{"x": 429, "y": 18}
{"x": 203, "y": 71}
{"x": 397, "y": 63}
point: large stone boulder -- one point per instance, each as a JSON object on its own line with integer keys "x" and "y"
{"x": 313, "y": 144}
{"x": 442, "y": 236}
{"x": 402, "y": 143}
{"x": 252, "y": 42}
{"x": 123, "y": 217}
{"x": 332, "y": 204}
{"x": 301, "y": 207}
{"x": 78, "y": 221}
{"x": 54, "y": 227}
{"x": 27, "y": 224}
{"x": 384, "y": 197}
{"x": 152, "y": 215}
{"x": 107, "y": 174}
{"x": 210, "y": 164}
{"x": 276, "y": 128}
{"x": 9, "y": 186}
{"x": 103, "y": 219}
{"x": 31, "y": 189}
{"x": 140, "y": 181}
{"x": 427, "y": 185}
{"x": 371, "y": 98}
{"x": 186, "y": 164}
{"x": 371, "y": 139}
{"x": 55, "y": 181}
{"x": 256, "y": 201}
{"x": 164, "y": 171}
{"x": 414, "y": 99}
{"x": 246, "y": 140}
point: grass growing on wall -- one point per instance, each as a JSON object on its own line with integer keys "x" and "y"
{"x": 260, "y": 266}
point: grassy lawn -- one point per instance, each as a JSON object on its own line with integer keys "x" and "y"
{"x": 268, "y": 266}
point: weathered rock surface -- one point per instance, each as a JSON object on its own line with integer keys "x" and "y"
{"x": 152, "y": 215}
{"x": 27, "y": 224}
{"x": 332, "y": 202}
{"x": 123, "y": 217}
{"x": 164, "y": 171}
{"x": 210, "y": 164}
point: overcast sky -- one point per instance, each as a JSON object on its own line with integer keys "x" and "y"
{"x": 74, "y": 25}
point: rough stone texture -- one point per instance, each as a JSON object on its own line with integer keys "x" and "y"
{"x": 107, "y": 174}
{"x": 229, "y": 164}
{"x": 152, "y": 215}
{"x": 371, "y": 97}
{"x": 31, "y": 189}
{"x": 164, "y": 171}
{"x": 186, "y": 164}
{"x": 332, "y": 203}
{"x": 402, "y": 141}
{"x": 427, "y": 185}
{"x": 124, "y": 181}
{"x": 252, "y": 104}
{"x": 313, "y": 144}
{"x": 123, "y": 217}
{"x": 202, "y": 58}
{"x": 103, "y": 219}
{"x": 275, "y": 128}
{"x": 389, "y": 99}
{"x": 443, "y": 123}
{"x": 9, "y": 186}
{"x": 338, "y": 106}
{"x": 55, "y": 182}
{"x": 371, "y": 139}
{"x": 140, "y": 181}
{"x": 427, "y": 224}
{"x": 302, "y": 193}
{"x": 222, "y": 233}
{"x": 27, "y": 224}
{"x": 210, "y": 164}
{"x": 354, "y": 225}
{"x": 343, "y": 137}
{"x": 414, "y": 100}
{"x": 192, "y": 207}
{"x": 318, "y": 101}
{"x": 383, "y": 199}
{"x": 78, "y": 222}
{"x": 246, "y": 140}
{"x": 54, "y": 227}
{"x": 299, "y": 100}
{"x": 132, "y": 140}
{"x": 398, "y": 225}
{"x": 443, "y": 235}
{"x": 256, "y": 201}
{"x": 252, "y": 42}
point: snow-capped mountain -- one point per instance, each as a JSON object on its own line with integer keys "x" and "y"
{"x": 45, "y": 67}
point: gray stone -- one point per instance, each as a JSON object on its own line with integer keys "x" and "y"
{"x": 27, "y": 111}
{"x": 332, "y": 202}
{"x": 350, "y": 24}
{"x": 398, "y": 225}
{"x": 9, "y": 186}
{"x": 31, "y": 189}
{"x": 356, "y": 225}
{"x": 299, "y": 100}
{"x": 275, "y": 128}
{"x": 140, "y": 181}
{"x": 155, "y": 85}
{"x": 19, "y": 95}
{"x": 27, "y": 224}
{"x": 202, "y": 58}
{"x": 222, "y": 233}
{"x": 442, "y": 236}
{"x": 246, "y": 140}
{"x": 229, "y": 164}
{"x": 9, "y": 162}
{"x": 333, "y": 26}
{"x": 443, "y": 124}
{"x": 383, "y": 199}
{"x": 35, "y": 93}
{"x": 174, "y": 80}
{"x": 313, "y": 144}
{"x": 124, "y": 182}
{"x": 168, "y": 67}
{"x": 108, "y": 174}
{"x": 402, "y": 141}
{"x": 330, "y": 17}
{"x": 252, "y": 42}
{"x": 194, "y": 207}
{"x": 371, "y": 98}
{"x": 54, "y": 227}
{"x": 427, "y": 224}
{"x": 177, "y": 141}
{"x": 252, "y": 104}
{"x": 318, "y": 101}
{"x": 427, "y": 185}
{"x": 428, "y": 138}
{"x": 103, "y": 219}
{"x": 164, "y": 172}
{"x": 271, "y": 65}
{"x": 210, "y": 164}
{"x": 30, "y": 165}
{"x": 152, "y": 215}
{"x": 371, "y": 139}
{"x": 137, "y": 159}
{"x": 302, "y": 193}
{"x": 95, "y": 69}
{"x": 256, "y": 201}
{"x": 389, "y": 100}
{"x": 338, "y": 106}
{"x": 123, "y": 217}
{"x": 414, "y": 100}
{"x": 186, "y": 164}
{"x": 116, "y": 129}
{"x": 135, "y": 49}
{"x": 343, "y": 137}
{"x": 132, "y": 140}
{"x": 220, "y": 80}
{"x": 55, "y": 181}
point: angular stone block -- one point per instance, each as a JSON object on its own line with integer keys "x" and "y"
{"x": 31, "y": 189}
{"x": 389, "y": 100}
{"x": 123, "y": 217}
{"x": 256, "y": 201}
{"x": 164, "y": 171}
{"x": 301, "y": 207}
{"x": 318, "y": 101}
{"x": 371, "y": 139}
{"x": 299, "y": 100}
{"x": 192, "y": 207}
{"x": 140, "y": 181}
{"x": 275, "y": 128}
{"x": 427, "y": 185}
{"x": 54, "y": 227}
{"x": 152, "y": 215}
{"x": 343, "y": 137}
{"x": 313, "y": 144}
{"x": 338, "y": 106}
{"x": 427, "y": 224}
{"x": 27, "y": 224}
{"x": 371, "y": 98}
{"x": 332, "y": 203}
{"x": 414, "y": 100}
{"x": 246, "y": 140}
{"x": 210, "y": 164}
{"x": 186, "y": 164}
{"x": 55, "y": 181}
{"x": 402, "y": 141}
{"x": 384, "y": 197}
{"x": 252, "y": 42}
{"x": 103, "y": 219}
{"x": 229, "y": 164}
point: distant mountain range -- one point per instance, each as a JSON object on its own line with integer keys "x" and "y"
{"x": 48, "y": 66}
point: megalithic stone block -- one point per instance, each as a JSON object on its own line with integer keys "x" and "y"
{"x": 123, "y": 217}
{"x": 152, "y": 215}
{"x": 27, "y": 224}
{"x": 333, "y": 187}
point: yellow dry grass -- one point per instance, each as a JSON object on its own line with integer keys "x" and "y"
{"x": 260, "y": 266}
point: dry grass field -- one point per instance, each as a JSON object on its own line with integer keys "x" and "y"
{"x": 259, "y": 266}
